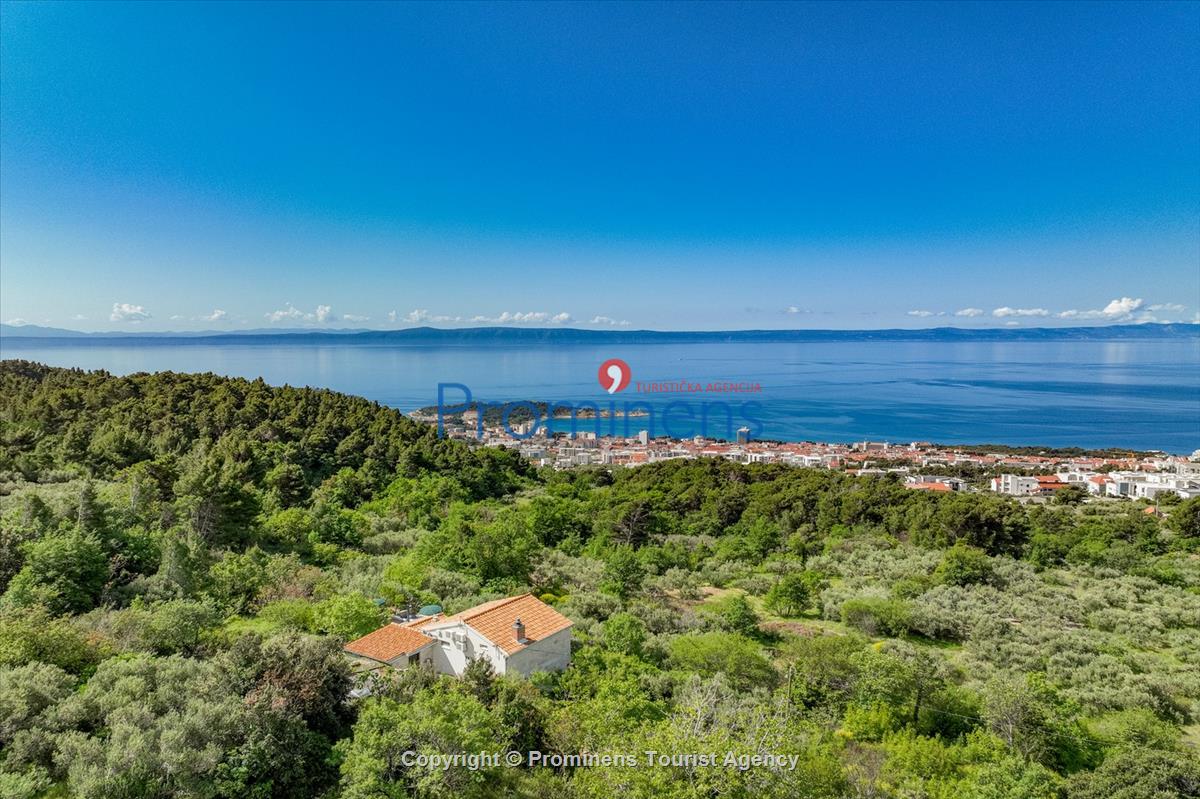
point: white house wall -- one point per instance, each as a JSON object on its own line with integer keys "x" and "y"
{"x": 552, "y": 653}
{"x": 426, "y": 656}
{"x": 450, "y": 657}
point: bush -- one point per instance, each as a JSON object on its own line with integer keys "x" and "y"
{"x": 387, "y": 543}
{"x": 964, "y": 565}
{"x": 791, "y": 595}
{"x": 625, "y": 633}
{"x": 871, "y": 722}
{"x": 735, "y": 656}
{"x": 736, "y": 615}
{"x": 65, "y": 573}
{"x": 1139, "y": 774}
{"x": 291, "y": 614}
{"x": 823, "y": 670}
{"x": 348, "y": 616}
{"x": 877, "y": 617}
{"x": 685, "y": 582}
{"x": 1185, "y": 518}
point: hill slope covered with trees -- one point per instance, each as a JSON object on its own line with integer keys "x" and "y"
{"x": 182, "y": 557}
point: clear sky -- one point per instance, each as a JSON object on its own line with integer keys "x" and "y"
{"x": 677, "y": 166}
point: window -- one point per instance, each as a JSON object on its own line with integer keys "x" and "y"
{"x": 414, "y": 658}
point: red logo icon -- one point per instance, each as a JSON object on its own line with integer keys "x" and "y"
{"x": 614, "y": 375}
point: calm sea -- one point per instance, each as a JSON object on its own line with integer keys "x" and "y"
{"x": 1144, "y": 395}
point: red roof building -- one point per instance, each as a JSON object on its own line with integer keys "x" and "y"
{"x": 519, "y": 634}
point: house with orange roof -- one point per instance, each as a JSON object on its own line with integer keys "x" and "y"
{"x": 1047, "y": 484}
{"x": 1098, "y": 484}
{"x": 518, "y": 634}
{"x": 928, "y": 486}
{"x": 397, "y": 645}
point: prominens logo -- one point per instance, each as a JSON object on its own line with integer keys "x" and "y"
{"x": 614, "y": 375}
{"x": 679, "y": 417}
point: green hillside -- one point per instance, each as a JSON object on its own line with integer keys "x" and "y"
{"x": 183, "y": 556}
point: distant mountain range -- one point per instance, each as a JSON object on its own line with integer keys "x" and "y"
{"x": 37, "y": 331}
{"x": 499, "y": 336}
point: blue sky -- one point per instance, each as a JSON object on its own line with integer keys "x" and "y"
{"x": 699, "y": 166}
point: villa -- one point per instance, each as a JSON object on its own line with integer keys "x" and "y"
{"x": 518, "y": 635}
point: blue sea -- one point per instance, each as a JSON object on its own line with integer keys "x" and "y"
{"x": 1136, "y": 394}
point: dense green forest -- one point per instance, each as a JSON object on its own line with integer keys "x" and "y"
{"x": 183, "y": 556}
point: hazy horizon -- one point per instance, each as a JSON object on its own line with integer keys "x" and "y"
{"x": 22, "y": 326}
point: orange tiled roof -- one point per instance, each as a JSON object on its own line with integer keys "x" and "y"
{"x": 929, "y": 486}
{"x": 389, "y": 642}
{"x": 494, "y": 620}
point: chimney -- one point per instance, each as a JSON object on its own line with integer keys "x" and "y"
{"x": 519, "y": 631}
{"x": 401, "y": 616}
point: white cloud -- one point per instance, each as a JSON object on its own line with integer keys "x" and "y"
{"x": 79, "y": 317}
{"x": 1012, "y": 324}
{"x": 353, "y": 317}
{"x": 323, "y": 313}
{"x": 216, "y": 316}
{"x": 16, "y": 322}
{"x": 126, "y": 312}
{"x": 794, "y": 309}
{"x": 1117, "y": 310}
{"x": 1122, "y": 307}
{"x": 175, "y": 317}
{"x": 1173, "y": 307}
{"x": 287, "y": 313}
{"x": 970, "y": 312}
{"x": 1006, "y": 311}
{"x": 607, "y": 320}
{"x": 524, "y": 317}
{"x": 421, "y": 315}
{"x": 920, "y": 314}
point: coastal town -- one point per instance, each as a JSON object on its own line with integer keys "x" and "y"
{"x": 922, "y": 465}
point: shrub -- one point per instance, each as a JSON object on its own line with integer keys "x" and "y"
{"x": 735, "y": 656}
{"x": 1139, "y": 773}
{"x": 348, "y": 616}
{"x": 871, "y": 722}
{"x": 736, "y": 615}
{"x": 292, "y": 614}
{"x": 1185, "y": 518}
{"x": 625, "y": 633}
{"x": 388, "y": 542}
{"x": 823, "y": 670}
{"x": 876, "y": 617}
{"x": 964, "y": 565}
{"x": 791, "y": 595}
